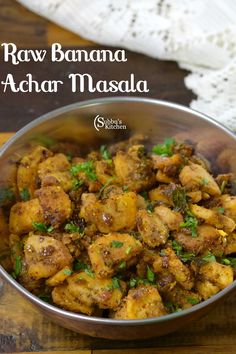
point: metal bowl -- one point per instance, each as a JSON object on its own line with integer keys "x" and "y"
{"x": 89, "y": 124}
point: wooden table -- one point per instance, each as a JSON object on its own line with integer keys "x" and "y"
{"x": 22, "y": 327}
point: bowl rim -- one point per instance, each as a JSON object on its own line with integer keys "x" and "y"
{"x": 93, "y": 319}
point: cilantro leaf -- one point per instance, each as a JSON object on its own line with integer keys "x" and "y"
{"x": 229, "y": 261}
{"x": 79, "y": 265}
{"x": 89, "y": 272}
{"x": 150, "y": 275}
{"x": 67, "y": 271}
{"x": 117, "y": 244}
{"x": 17, "y": 267}
{"x": 115, "y": 283}
{"x": 190, "y": 222}
{"x": 105, "y": 152}
{"x": 150, "y": 208}
{"x": 122, "y": 265}
{"x": 25, "y": 194}
{"x": 179, "y": 199}
{"x": 72, "y": 228}
{"x": 132, "y": 282}
{"x": 105, "y": 185}
{"x": 87, "y": 167}
{"x": 165, "y": 149}
{"x": 209, "y": 258}
{"x": 184, "y": 256}
{"x": 221, "y": 210}
{"x": 6, "y": 194}
{"x": 45, "y": 297}
{"x": 77, "y": 183}
{"x": 192, "y": 300}
{"x": 42, "y": 227}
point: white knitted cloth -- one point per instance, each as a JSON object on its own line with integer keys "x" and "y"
{"x": 199, "y": 34}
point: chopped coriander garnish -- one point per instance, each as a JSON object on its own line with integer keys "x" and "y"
{"x": 50, "y": 229}
{"x": 192, "y": 300}
{"x": 229, "y": 261}
{"x": 133, "y": 282}
{"x": 184, "y": 256}
{"x": 209, "y": 258}
{"x": 165, "y": 149}
{"x": 106, "y": 185}
{"x": 117, "y": 244}
{"x": 105, "y": 152}
{"x": 225, "y": 261}
{"x": 122, "y": 265}
{"x": 150, "y": 275}
{"x": 115, "y": 283}
{"x": 176, "y": 247}
{"x": 25, "y": 194}
{"x": 125, "y": 188}
{"x": 222, "y": 187}
{"x": 17, "y": 267}
{"x": 221, "y": 210}
{"x": 86, "y": 167}
{"x": 77, "y": 183}
{"x": 128, "y": 250}
{"x": 78, "y": 265}
{"x": 179, "y": 199}
{"x": 42, "y": 227}
{"x": 72, "y": 228}
{"x": 45, "y": 297}
{"x": 172, "y": 307}
{"x": 150, "y": 208}
{"x": 67, "y": 271}
{"x": 205, "y": 181}
{"x": 6, "y": 194}
{"x": 190, "y": 222}
{"x": 187, "y": 256}
{"x": 162, "y": 253}
{"x": 144, "y": 194}
{"x": 89, "y": 272}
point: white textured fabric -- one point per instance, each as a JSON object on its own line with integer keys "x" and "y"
{"x": 199, "y": 34}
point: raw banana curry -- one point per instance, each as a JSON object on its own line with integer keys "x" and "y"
{"x": 122, "y": 232}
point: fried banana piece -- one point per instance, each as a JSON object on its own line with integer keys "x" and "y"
{"x": 208, "y": 239}
{"x": 59, "y": 277}
{"x": 28, "y": 168}
{"x": 214, "y": 218}
{"x": 56, "y": 205}
{"x": 94, "y": 291}
{"x": 142, "y": 302}
{"x": 134, "y": 169}
{"x": 23, "y": 215}
{"x": 228, "y": 202}
{"x": 170, "y": 262}
{"x": 112, "y": 214}
{"x": 169, "y": 217}
{"x": 63, "y": 298}
{"x": 153, "y": 231}
{"x": 112, "y": 252}
{"x": 55, "y": 170}
{"x": 45, "y": 256}
{"x": 213, "y": 277}
{"x": 194, "y": 177}
{"x": 183, "y": 298}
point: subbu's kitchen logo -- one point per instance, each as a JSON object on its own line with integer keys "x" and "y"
{"x": 108, "y": 123}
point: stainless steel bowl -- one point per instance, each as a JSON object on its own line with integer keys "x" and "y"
{"x": 157, "y": 120}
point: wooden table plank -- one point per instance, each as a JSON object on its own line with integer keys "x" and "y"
{"x": 26, "y": 29}
{"x": 177, "y": 350}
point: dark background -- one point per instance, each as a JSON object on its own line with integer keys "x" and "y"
{"x": 26, "y": 30}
